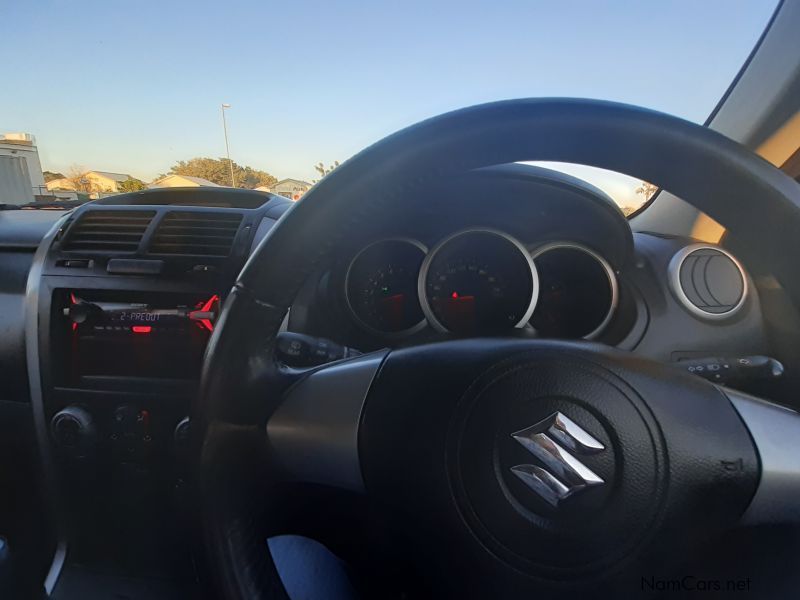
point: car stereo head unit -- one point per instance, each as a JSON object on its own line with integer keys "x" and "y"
{"x": 156, "y": 315}
{"x": 103, "y": 336}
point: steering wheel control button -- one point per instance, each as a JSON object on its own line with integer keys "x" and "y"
{"x": 563, "y": 474}
{"x": 708, "y": 281}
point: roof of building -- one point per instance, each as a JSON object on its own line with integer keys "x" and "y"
{"x": 18, "y": 139}
{"x": 198, "y": 181}
{"x": 119, "y": 177}
{"x": 291, "y": 181}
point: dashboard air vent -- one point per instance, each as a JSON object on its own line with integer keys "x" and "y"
{"x": 108, "y": 231}
{"x": 708, "y": 281}
{"x": 196, "y": 233}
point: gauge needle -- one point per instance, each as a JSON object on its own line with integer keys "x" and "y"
{"x": 392, "y": 308}
{"x": 460, "y": 311}
{"x": 393, "y": 299}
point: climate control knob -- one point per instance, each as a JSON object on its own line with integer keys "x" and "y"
{"x": 73, "y": 429}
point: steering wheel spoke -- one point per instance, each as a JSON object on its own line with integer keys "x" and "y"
{"x": 775, "y": 431}
{"x": 313, "y": 434}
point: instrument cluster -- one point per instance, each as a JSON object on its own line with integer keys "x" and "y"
{"x": 480, "y": 281}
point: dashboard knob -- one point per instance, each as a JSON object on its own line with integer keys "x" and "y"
{"x": 73, "y": 429}
{"x": 181, "y": 433}
{"x": 124, "y": 420}
{"x": 181, "y": 437}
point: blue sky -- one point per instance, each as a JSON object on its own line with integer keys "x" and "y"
{"x": 136, "y": 85}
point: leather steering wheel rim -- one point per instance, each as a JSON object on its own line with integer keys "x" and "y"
{"x": 744, "y": 193}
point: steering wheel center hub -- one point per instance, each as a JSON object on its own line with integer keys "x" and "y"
{"x": 555, "y": 464}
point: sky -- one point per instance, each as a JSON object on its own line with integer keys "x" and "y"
{"x": 134, "y": 86}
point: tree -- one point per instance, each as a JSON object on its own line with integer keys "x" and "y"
{"x": 217, "y": 170}
{"x": 79, "y": 181}
{"x": 250, "y": 178}
{"x": 647, "y": 190}
{"x": 130, "y": 185}
{"x": 320, "y": 168}
{"x": 52, "y": 176}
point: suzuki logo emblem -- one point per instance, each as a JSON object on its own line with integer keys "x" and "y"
{"x": 552, "y": 441}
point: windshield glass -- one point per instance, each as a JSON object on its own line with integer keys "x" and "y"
{"x": 107, "y": 97}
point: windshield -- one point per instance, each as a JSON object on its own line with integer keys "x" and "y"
{"x": 107, "y": 97}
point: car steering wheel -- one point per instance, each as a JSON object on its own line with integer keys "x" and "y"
{"x": 491, "y": 466}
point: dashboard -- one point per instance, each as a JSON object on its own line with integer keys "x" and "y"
{"x": 513, "y": 250}
{"x": 106, "y": 311}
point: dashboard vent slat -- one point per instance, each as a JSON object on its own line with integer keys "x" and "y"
{"x": 108, "y": 231}
{"x": 196, "y": 234}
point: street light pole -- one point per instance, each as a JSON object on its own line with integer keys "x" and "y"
{"x": 227, "y": 148}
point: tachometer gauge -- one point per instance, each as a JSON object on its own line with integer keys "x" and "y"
{"x": 478, "y": 281}
{"x": 381, "y": 286}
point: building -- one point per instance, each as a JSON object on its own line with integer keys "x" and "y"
{"x": 181, "y": 181}
{"x": 21, "y": 178}
{"x": 96, "y": 182}
{"x": 288, "y": 188}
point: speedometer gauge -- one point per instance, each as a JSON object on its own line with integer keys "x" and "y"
{"x": 478, "y": 281}
{"x": 381, "y": 286}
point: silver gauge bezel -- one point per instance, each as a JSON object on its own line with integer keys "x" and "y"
{"x": 423, "y": 274}
{"x": 365, "y": 326}
{"x": 674, "y": 273}
{"x": 609, "y": 271}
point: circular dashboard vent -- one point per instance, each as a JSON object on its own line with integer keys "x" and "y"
{"x": 708, "y": 281}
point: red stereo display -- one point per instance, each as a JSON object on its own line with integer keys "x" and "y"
{"x": 111, "y": 335}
